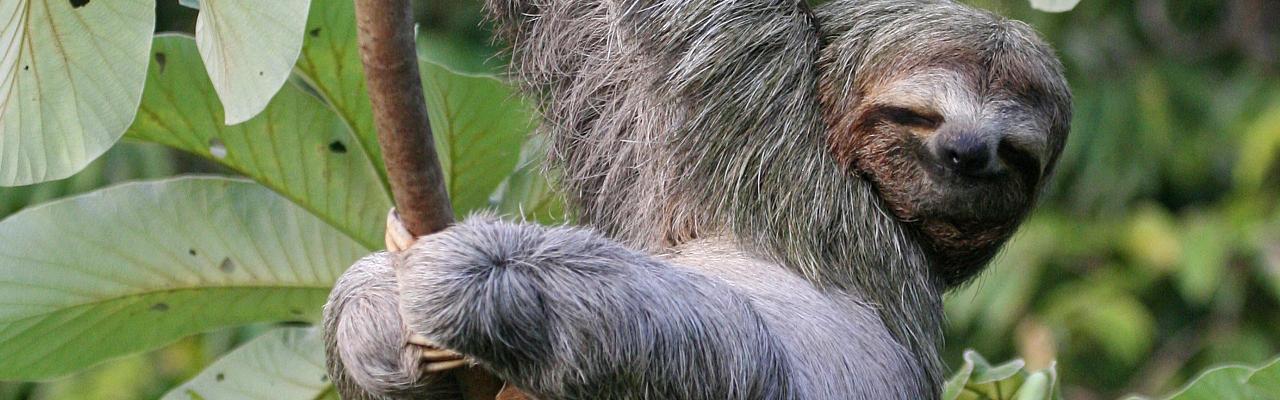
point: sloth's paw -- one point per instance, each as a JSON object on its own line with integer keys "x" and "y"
{"x": 436, "y": 359}
{"x": 397, "y": 236}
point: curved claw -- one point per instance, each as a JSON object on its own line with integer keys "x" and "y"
{"x": 416, "y": 339}
{"x": 437, "y": 359}
{"x": 444, "y": 365}
{"x": 397, "y": 237}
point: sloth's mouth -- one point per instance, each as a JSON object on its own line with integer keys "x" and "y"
{"x": 1021, "y": 162}
{"x": 973, "y": 200}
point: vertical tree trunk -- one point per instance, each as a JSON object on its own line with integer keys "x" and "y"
{"x": 400, "y": 113}
{"x": 390, "y": 60}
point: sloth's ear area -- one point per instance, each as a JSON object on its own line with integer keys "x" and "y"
{"x": 851, "y": 119}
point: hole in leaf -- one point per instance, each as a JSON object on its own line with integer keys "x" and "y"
{"x": 26, "y": 67}
{"x": 227, "y": 265}
{"x": 192, "y": 252}
{"x": 160, "y": 61}
{"x": 220, "y": 377}
{"x": 314, "y": 32}
{"x": 338, "y": 147}
{"x": 217, "y": 149}
{"x": 78, "y": 3}
{"x": 259, "y": 73}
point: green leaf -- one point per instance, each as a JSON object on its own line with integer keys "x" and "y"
{"x": 1221, "y": 383}
{"x": 1234, "y": 382}
{"x": 1037, "y": 387}
{"x": 133, "y": 267}
{"x": 330, "y": 63}
{"x": 282, "y": 364}
{"x": 1152, "y": 239}
{"x": 1260, "y": 149}
{"x": 479, "y": 126}
{"x": 955, "y": 386}
{"x": 126, "y": 160}
{"x": 248, "y": 48}
{"x": 458, "y": 55}
{"x": 984, "y": 372}
{"x": 478, "y": 122}
{"x": 1104, "y": 314}
{"x": 1054, "y": 6}
{"x": 70, "y": 80}
{"x": 1205, "y": 253}
{"x": 977, "y": 379}
{"x": 527, "y": 191}
{"x": 1267, "y": 379}
{"x": 297, "y": 146}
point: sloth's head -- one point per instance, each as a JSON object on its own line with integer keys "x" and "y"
{"x": 956, "y": 116}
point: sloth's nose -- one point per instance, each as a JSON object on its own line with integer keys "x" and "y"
{"x": 968, "y": 155}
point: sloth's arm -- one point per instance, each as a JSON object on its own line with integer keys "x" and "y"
{"x": 565, "y": 313}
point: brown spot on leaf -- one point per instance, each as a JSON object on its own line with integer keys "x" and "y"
{"x": 192, "y": 252}
{"x": 160, "y": 307}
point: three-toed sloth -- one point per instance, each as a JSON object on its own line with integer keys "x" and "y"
{"x": 773, "y": 200}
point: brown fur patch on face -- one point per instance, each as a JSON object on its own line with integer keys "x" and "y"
{"x": 861, "y": 139}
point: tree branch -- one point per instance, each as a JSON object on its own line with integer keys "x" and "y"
{"x": 400, "y": 113}
{"x": 390, "y": 60}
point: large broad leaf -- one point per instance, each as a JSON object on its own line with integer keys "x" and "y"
{"x": 283, "y": 364}
{"x": 1267, "y": 379}
{"x": 479, "y": 126}
{"x": 71, "y": 74}
{"x": 478, "y": 121}
{"x": 297, "y": 146}
{"x": 330, "y": 63}
{"x": 133, "y": 267}
{"x": 249, "y": 47}
{"x": 1232, "y": 382}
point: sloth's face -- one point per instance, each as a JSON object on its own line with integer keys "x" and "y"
{"x": 960, "y": 157}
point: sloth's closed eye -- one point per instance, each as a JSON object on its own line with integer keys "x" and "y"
{"x": 908, "y": 117}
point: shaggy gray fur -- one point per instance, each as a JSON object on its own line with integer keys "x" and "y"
{"x": 563, "y": 313}
{"x": 364, "y": 307}
{"x": 736, "y": 257}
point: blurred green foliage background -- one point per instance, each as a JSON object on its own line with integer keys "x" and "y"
{"x": 1155, "y": 253}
